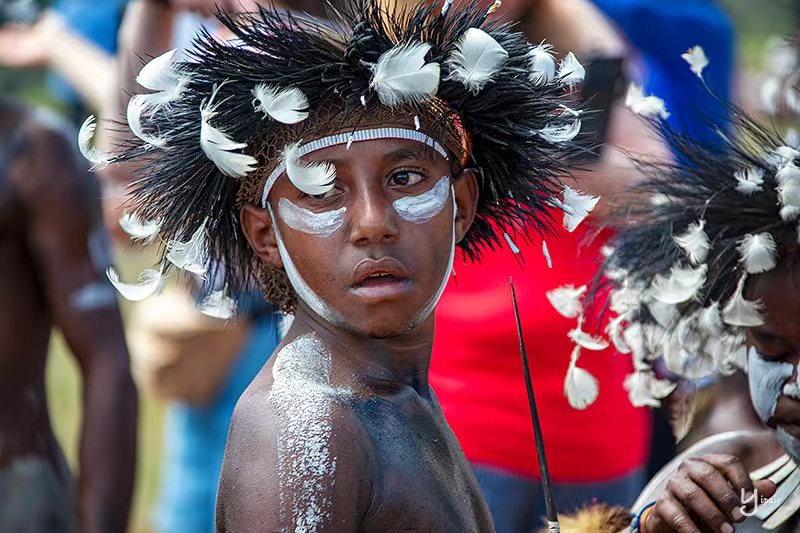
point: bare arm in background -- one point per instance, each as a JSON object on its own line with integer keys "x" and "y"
{"x": 69, "y": 251}
{"x": 49, "y": 43}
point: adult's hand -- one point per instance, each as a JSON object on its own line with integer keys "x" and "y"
{"x": 705, "y": 494}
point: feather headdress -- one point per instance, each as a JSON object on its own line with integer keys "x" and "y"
{"x": 722, "y": 218}
{"x": 242, "y": 113}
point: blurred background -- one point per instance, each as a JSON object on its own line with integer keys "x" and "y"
{"x": 37, "y": 84}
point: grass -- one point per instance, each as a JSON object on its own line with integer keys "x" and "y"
{"x": 64, "y": 393}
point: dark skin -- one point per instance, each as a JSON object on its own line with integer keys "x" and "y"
{"x": 51, "y": 229}
{"x": 684, "y": 508}
{"x": 398, "y": 465}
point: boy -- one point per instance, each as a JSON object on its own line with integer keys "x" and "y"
{"x": 370, "y": 154}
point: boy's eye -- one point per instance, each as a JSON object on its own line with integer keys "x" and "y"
{"x": 404, "y": 178}
{"x": 330, "y": 194}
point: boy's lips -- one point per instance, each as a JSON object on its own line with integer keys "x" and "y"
{"x": 380, "y": 279}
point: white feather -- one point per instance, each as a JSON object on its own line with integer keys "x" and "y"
{"x": 645, "y": 390}
{"x": 158, "y": 74}
{"x": 218, "y": 305}
{"x": 789, "y": 212}
{"x": 694, "y": 242}
{"x": 709, "y": 320}
{"x": 218, "y": 146}
{"x": 664, "y": 314}
{"x": 288, "y": 106}
{"x": 646, "y": 106}
{"x": 749, "y": 180}
{"x": 580, "y": 387}
{"x": 741, "y": 312}
{"x": 401, "y": 75}
{"x": 782, "y": 156}
{"x": 560, "y": 133}
{"x": 614, "y": 332}
{"x": 625, "y": 299}
{"x": 570, "y": 70}
{"x": 138, "y": 229}
{"x": 311, "y": 178}
{"x": 476, "y": 59}
{"x": 446, "y": 6}
{"x": 789, "y": 194}
{"x": 567, "y": 300}
{"x": 542, "y": 64}
{"x": 790, "y": 173}
{"x": 634, "y": 338}
{"x": 696, "y": 57}
{"x": 546, "y": 254}
{"x": 149, "y": 283}
{"x": 681, "y": 285}
{"x": 576, "y": 207}
{"x": 792, "y": 138}
{"x": 91, "y": 153}
{"x": 584, "y": 340}
{"x": 757, "y": 252}
{"x": 136, "y": 108}
{"x": 511, "y": 245}
{"x": 190, "y": 255}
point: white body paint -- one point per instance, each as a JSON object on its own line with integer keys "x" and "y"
{"x": 303, "y": 397}
{"x": 304, "y": 292}
{"x": 423, "y": 207}
{"x": 322, "y": 224}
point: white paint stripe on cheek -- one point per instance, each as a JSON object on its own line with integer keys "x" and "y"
{"x": 423, "y": 207}
{"x": 431, "y": 305}
{"x": 766, "y": 380}
{"x": 321, "y": 224}
{"x": 304, "y": 292}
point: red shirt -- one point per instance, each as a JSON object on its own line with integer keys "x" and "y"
{"x": 476, "y": 369}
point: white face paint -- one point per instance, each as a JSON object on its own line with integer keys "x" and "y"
{"x": 327, "y": 312}
{"x": 766, "y": 380}
{"x": 423, "y": 207}
{"x": 431, "y": 305}
{"x": 322, "y": 224}
{"x": 304, "y": 292}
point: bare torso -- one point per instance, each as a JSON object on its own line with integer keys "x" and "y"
{"x": 25, "y": 322}
{"x": 393, "y": 462}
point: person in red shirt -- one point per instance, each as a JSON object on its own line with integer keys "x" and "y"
{"x": 596, "y": 453}
{"x": 476, "y": 372}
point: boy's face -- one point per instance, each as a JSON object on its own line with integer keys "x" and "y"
{"x": 776, "y": 350}
{"x": 374, "y": 253}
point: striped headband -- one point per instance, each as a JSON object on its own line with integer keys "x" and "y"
{"x": 348, "y": 138}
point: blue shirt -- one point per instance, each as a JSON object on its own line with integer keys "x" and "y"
{"x": 662, "y": 31}
{"x": 194, "y": 441}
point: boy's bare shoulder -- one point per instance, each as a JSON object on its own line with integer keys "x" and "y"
{"x": 297, "y": 455}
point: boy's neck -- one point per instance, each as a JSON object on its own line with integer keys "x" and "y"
{"x": 373, "y": 363}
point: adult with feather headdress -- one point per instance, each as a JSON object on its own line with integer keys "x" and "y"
{"x": 703, "y": 278}
{"x": 339, "y": 168}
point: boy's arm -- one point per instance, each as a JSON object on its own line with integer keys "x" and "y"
{"x": 275, "y": 478}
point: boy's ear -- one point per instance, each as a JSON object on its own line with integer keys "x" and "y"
{"x": 465, "y": 186}
{"x": 259, "y": 232}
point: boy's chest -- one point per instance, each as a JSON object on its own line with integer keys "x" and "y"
{"x": 422, "y": 480}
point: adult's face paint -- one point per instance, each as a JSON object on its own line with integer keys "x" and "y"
{"x": 379, "y": 274}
